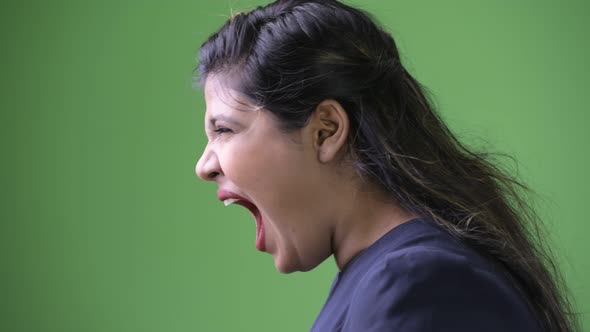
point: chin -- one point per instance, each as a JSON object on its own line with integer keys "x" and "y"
{"x": 286, "y": 266}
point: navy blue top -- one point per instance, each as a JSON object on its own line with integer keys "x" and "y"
{"x": 417, "y": 277}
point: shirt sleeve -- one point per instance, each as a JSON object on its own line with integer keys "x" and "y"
{"x": 433, "y": 290}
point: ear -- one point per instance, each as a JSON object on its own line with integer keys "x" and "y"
{"x": 330, "y": 128}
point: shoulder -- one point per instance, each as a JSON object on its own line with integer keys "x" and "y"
{"x": 434, "y": 288}
{"x": 430, "y": 264}
{"x": 419, "y": 271}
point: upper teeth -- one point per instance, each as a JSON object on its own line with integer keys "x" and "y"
{"x": 230, "y": 201}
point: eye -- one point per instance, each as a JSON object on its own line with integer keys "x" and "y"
{"x": 222, "y": 130}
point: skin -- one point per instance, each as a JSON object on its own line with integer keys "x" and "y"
{"x": 311, "y": 205}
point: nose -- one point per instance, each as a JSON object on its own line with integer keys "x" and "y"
{"x": 207, "y": 167}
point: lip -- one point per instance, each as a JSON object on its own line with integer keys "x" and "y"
{"x": 224, "y": 194}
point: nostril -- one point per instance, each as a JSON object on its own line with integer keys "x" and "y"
{"x": 212, "y": 175}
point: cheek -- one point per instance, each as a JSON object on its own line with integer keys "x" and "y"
{"x": 263, "y": 165}
{"x": 273, "y": 163}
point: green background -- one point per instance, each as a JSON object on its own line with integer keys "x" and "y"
{"x": 106, "y": 227}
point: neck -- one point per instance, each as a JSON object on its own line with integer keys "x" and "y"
{"x": 365, "y": 218}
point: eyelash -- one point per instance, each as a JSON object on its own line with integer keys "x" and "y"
{"x": 222, "y": 130}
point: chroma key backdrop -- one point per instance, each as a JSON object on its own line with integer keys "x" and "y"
{"x": 104, "y": 225}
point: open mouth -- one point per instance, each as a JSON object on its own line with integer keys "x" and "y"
{"x": 260, "y": 245}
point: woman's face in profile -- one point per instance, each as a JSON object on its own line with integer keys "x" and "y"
{"x": 247, "y": 155}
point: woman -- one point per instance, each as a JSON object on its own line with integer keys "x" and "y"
{"x": 316, "y": 127}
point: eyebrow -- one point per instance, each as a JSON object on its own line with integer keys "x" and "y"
{"x": 224, "y": 118}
